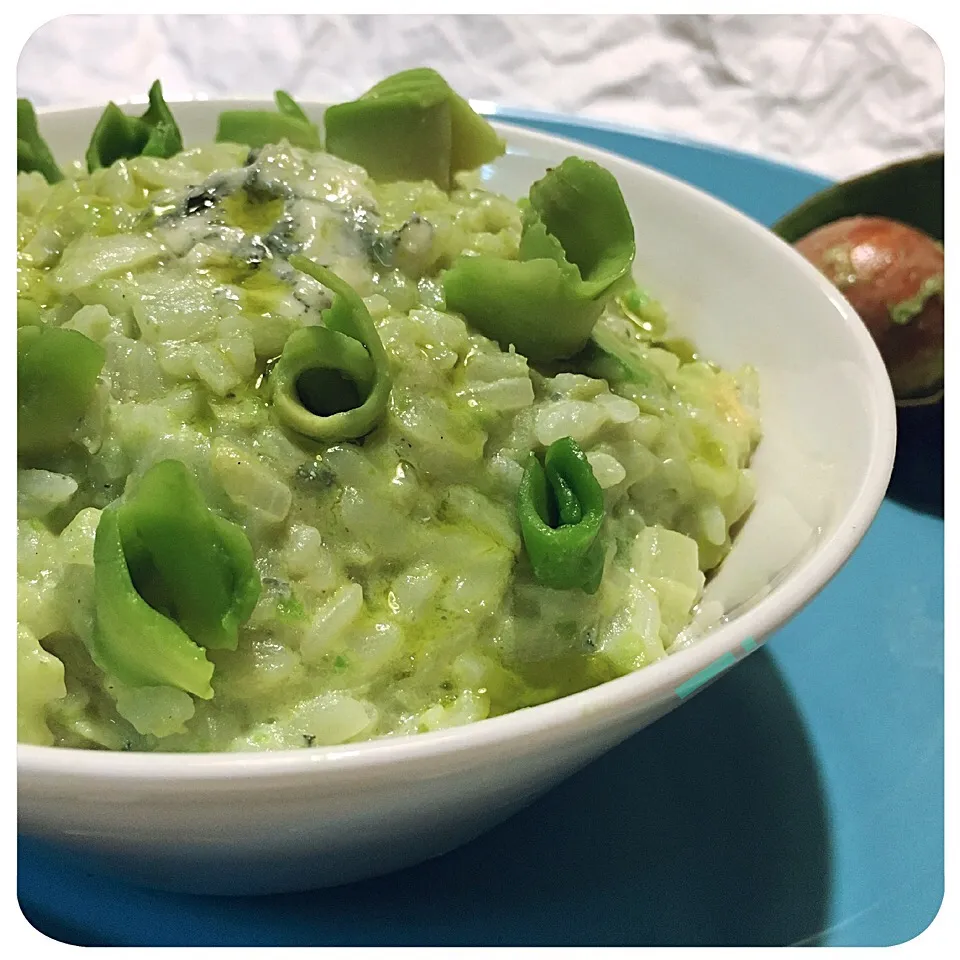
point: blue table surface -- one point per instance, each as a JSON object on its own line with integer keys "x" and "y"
{"x": 797, "y": 800}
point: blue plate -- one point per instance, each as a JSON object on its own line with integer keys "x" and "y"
{"x": 797, "y": 800}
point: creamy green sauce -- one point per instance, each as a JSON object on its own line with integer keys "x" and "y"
{"x": 903, "y": 312}
{"x": 396, "y": 597}
{"x": 840, "y": 264}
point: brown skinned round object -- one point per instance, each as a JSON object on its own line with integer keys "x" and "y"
{"x": 892, "y": 275}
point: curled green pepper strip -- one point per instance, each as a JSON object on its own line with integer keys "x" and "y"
{"x": 411, "y": 126}
{"x": 133, "y": 642}
{"x": 332, "y": 382}
{"x": 576, "y": 249}
{"x": 257, "y": 128}
{"x": 32, "y": 150}
{"x": 188, "y": 560}
{"x": 57, "y": 373}
{"x": 170, "y": 577}
{"x": 120, "y": 137}
{"x": 560, "y": 506}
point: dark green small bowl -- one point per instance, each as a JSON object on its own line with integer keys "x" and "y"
{"x": 912, "y": 193}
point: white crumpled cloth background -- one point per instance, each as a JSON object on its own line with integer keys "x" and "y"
{"x": 834, "y": 94}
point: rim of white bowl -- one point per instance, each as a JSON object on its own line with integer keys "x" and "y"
{"x": 654, "y": 683}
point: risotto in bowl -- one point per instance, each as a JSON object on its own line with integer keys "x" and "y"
{"x": 378, "y": 467}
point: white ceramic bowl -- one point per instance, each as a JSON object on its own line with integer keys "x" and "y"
{"x": 242, "y": 823}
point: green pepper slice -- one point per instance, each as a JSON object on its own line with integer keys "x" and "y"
{"x": 32, "y": 150}
{"x": 411, "y": 126}
{"x": 257, "y": 128}
{"x": 332, "y": 382}
{"x": 118, "y": 136}
{"x": 57, "y": 373}
{"x": 133, "y": 642}
{"x": 576, "y": 250}
{"x": 560, "y": 507}
{"x": 171, "y": 577}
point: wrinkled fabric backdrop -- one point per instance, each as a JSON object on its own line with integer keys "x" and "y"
{"x": 833, "y": 94}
